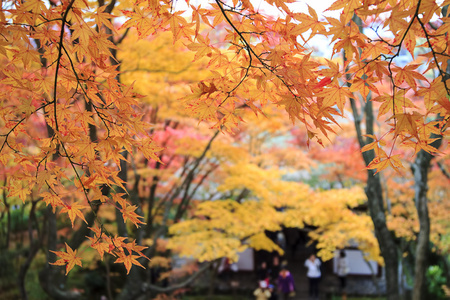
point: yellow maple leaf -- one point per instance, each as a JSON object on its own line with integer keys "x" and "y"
{"x": 380, "y": 164}
{"x": 68, "y": 258}
{"x": 52, "y": 199}
{"x": 129, "y": 214}
{"x": 407, "y": 123}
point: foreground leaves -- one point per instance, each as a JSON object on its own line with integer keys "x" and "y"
{"x": 68, "y": 259}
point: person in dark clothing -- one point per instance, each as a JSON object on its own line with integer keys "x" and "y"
{"x": 275, "y": 266}
{"x": 263, "y": 272}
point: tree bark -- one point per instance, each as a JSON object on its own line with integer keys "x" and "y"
{"x": 420, "y": 169}
{"x": 385, "y": 237}
{"x": 50, "y": 275}
{"x": 33, "y": 250}
{"x": 377, "y": 211}
{"x": 375, "y": 199}
{"x": 134, "y": 285}
{"x": 121, "y": 226}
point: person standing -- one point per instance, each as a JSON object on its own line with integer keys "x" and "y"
{"x": 342, "y": 272}
{"x": 275, "y": 266}
{"x": 263, "y": 273}
{"x": 286, "y": 286}
{"x": 313, "y": 274}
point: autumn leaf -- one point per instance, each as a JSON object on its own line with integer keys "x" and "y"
{"x": 323, "y": 82}
{"x": 201, "y": 48}
{"x": 393, "y": 105}
{"x": 307, "y": 23}
{"x": 136, "y": 248}
{"x": 348, "y": 7}
{"x": 52, "y": 199}
{"x": 16, "y": 189}
{"x": 139, "y": 18}
{"x": 68, "y": 259}
{"x": 98, "y": 245}
{"x": 375, "y": 145}
{"x": 407, "y": 123}
{"x": 380, "y": 163}
{"x": 128, "y": 261}
{"x": 102, "y": 18}
{"x": 149, "y": 148}
{"x": 129, "y": 214}
{"x": 335, "y": 95}
{"x": 74, "y": 210}
{"x": 35, "y": 6}
{"x": 204, "y": 110}
{"x": 363, "y": 86}
{"x": 293, "y": 106}
{"x": 374, "y": 49}
{"x": 409, "y": 75}
{"x": 410, "y": 42}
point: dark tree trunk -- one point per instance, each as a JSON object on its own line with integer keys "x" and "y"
{"x": 121, "y": 226}
{"x": 420, "y": 169}
{"x": 50, "y": 277}
{"x": 35, "y": 244}
{"x": 385, "y": 238}
{"x": 8, "y": 220}
{"x": 134, "y": 285}
{"x": 374, "y": 191}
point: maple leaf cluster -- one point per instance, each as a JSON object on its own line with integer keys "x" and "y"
{"x": 266, "y": 62}
{"x": 66, "y": 119}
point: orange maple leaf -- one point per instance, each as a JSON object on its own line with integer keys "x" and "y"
{"x": 68, "y": 258}
{"x": 364, "y": 86}
{"x": 348, "y": 6}
{"x": 128, "y": 261}
{"x": 73, "y": 211}
{"x": 393, "y": 104}
{"x": 129, "y": 214}
{"x": 375, "y": 145}
{"x": 407, "y": 123}
{"x": 335, "y": 94}
{"x": 307, "y": 23}
{"x": 149, "y": 148}
{"x": 374, "y": 49}
{"x": 118, "y": 197}
{"x": 409, "y": 75}
{"x": 136, "y": 248}
{"x": 52, "y": 199}
{"x": 99, "y": 246}
{"x": 102, "y": 18}
{"x": 380, "y": 164}
{"x": 202, "y": 48}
